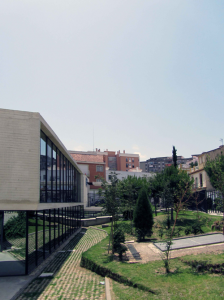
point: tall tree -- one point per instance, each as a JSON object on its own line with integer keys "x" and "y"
{"x": 215, "y": 170}
{"x": 174, "y": 157}
{"x": 155, "y": 187}
{"x": 182, "y": 195}
{"x": 143, "y": 217}
{"x": 111, "y": 203}
{"x": 129, "y": 191}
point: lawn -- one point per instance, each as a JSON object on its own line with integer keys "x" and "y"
{"x": 185, "y": 219}
{"x": 185, "y": 281}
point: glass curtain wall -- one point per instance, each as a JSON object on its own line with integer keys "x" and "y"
{"x": 59, "y": 179}
{"x": 13, "y": 243}
{"x": 47, "y": 230}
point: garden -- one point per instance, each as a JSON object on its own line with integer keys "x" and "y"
{"x": 129, "y": 202}
{"x": 190, "y": 277}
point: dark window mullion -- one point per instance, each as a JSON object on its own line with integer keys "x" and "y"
{"x": 52, "y": 158}
{"x": 46, "y": 172}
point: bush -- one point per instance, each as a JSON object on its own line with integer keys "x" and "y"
{"x": 118, "y": 239}
{"x": 124, "y": 226}
{"x": 196, "y": 228}
{"x": 188, "y": 230}
{"x": 16, "y": 226}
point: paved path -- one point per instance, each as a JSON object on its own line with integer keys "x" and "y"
{"x": 193, "y": 241}
{"x": 69, "y": 280}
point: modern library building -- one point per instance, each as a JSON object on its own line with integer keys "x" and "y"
{"x": 41, "y": 192}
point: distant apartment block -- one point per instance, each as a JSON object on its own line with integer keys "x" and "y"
{"x": 121, "y": 161}
{"x": 158, "y": 164}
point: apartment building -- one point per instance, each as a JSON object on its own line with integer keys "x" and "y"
{"x": 158, "y": 164}
{"x": 201, "y": 179}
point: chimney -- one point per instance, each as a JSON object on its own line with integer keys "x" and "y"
{"x": 123, "y": 151}
{"x": 96, "y": 149}
{"x": 99, "y": 150}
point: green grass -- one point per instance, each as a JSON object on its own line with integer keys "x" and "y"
{"x": 182, "y": 283}
{"x": 32, "y": 229}
{"x": 185, "y": 218}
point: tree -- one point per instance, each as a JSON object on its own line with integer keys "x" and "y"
{"x": 129, "y": 191}
{"x": 215, "y": 170}
{"x": 143, "y": 217}
{"x": 156, "y": 185}
{"x": 174, "y": 157}
{"x": 111, "y": 203}
{"x": 182, "y": 195}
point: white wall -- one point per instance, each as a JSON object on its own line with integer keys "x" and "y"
{"x": 123, "y": 174}
{"x": 20, "y": 161}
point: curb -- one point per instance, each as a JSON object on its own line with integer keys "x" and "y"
{"x": 107, "y": 288}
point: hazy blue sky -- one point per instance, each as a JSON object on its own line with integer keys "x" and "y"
{"x": 146, "y": 75}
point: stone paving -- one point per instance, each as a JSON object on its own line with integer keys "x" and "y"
{"x": 69, "y": 280}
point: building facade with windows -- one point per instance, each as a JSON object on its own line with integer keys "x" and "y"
{"x": 41, "y": 192}
{"x": 201, "y": 179}
{"x": 158, "y": 164}
{"x": 121, "y": 161}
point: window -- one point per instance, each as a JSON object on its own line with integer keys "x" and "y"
{"x": 196, "y": 182}
{"x": 126, "y": 165}
{"x": 129, "y": 159}
{"x": 109, "y": 177}
{"x": 59, "y": 180}
{"x": 126, "y": 160}
{"x": 133, "y": 166}
{"x": 99, "y": 168}
{"x": 133, "y": 160}
{"x": 201, "y": 180}
{"x": 98, "y": 180}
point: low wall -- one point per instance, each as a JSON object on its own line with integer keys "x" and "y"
{"x": 95, "y": 221}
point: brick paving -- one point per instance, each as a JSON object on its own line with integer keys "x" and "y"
{"x": 69, "y": 280}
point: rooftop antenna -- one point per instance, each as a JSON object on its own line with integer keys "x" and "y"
{"x": 221, "y": 140}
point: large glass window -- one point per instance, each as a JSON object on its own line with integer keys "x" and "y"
{"x": 58, "y": 176}
{"x": 43, "y": 176}
{"x": 49, "y": 170}
{"x": 59, "y": 179}
{"x": 54, "y": 174}
{"x": 62, "y": 177}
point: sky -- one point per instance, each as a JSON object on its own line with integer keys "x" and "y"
{"x": 140, "y": 76}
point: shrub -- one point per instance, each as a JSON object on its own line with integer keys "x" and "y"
{"x": 124, "y": 226}
{"x": 161, "y": 233}
{"x": 188, "y": 230}
{"x": 196, "y": 228}
{"x": 16, "y": 226}
{"x": 118, "y": 239}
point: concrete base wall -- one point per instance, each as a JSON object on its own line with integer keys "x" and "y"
{"x": 95, "y": 221}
